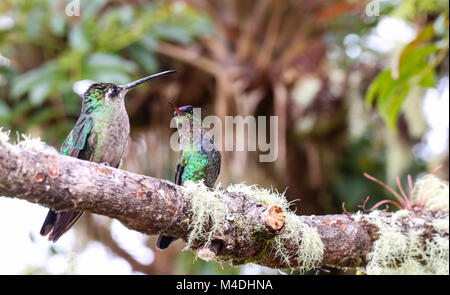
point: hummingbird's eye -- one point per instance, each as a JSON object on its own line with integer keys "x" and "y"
{"x": 113, "y": 91}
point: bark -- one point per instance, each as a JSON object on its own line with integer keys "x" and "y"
{"x": 154, "y": 206}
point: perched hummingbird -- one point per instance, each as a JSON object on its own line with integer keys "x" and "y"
{"x": 100, "y": 135}
{"x": 199, "y": 158}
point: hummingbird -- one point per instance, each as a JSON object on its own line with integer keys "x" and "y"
{"x": 199, "y": 158}
{"x": 100, "y": 135}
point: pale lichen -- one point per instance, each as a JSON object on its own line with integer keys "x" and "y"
{"x": 208, "y": 212}
{"x": 23, "y": 140}
{"x": 299, "y": 242}
{"x": 402, "y": 213}
{"x": 400, "y": 251}
{"x": 4, "y": 135}
{"x": 268, "y": 197}
{"x": 432, "y": 192}
{"x": 417, "y": 246}
{"x": 27, "y": 142}
{"x": 440, "y": 224}
{"x": 357, "y": 217}
{"x": 306, "y": 245}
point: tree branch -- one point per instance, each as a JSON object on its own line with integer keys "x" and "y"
{"x": 250, "y": 230}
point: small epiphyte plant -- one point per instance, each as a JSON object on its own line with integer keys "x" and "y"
{"x": 403, "y": 201}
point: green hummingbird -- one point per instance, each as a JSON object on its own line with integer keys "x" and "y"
{"x": 100, "y": 135}
{"x": 199, "y": 158}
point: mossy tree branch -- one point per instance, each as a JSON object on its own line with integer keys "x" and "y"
{"x": 153, "y": 206}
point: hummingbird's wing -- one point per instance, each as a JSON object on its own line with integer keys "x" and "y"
{"x": 180, "y": 169}
{"x": 57, "y": 223}
{"x": 178, "y": 174}
{"x": 76, "y": 142}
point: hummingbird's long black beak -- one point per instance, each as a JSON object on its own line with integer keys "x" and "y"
{"x": 176, "y": 109}
{"x": 142, "y": 80}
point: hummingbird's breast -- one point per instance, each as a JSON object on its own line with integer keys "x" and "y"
{"x": 203, "y": 164}
{"x": 112, "y": 130}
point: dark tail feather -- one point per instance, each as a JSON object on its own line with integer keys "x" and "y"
{"x": 49, "y": 222}
{"x": 163, "y": 242}
{"x": 57, "y": 223}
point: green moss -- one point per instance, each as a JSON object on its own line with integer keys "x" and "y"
{"x": 267, "y": 249}
{"x": 261, "y": 256}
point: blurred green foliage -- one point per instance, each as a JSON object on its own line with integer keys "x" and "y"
{"x": 410, "y": 9}
{"x": 417, "y": 63}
